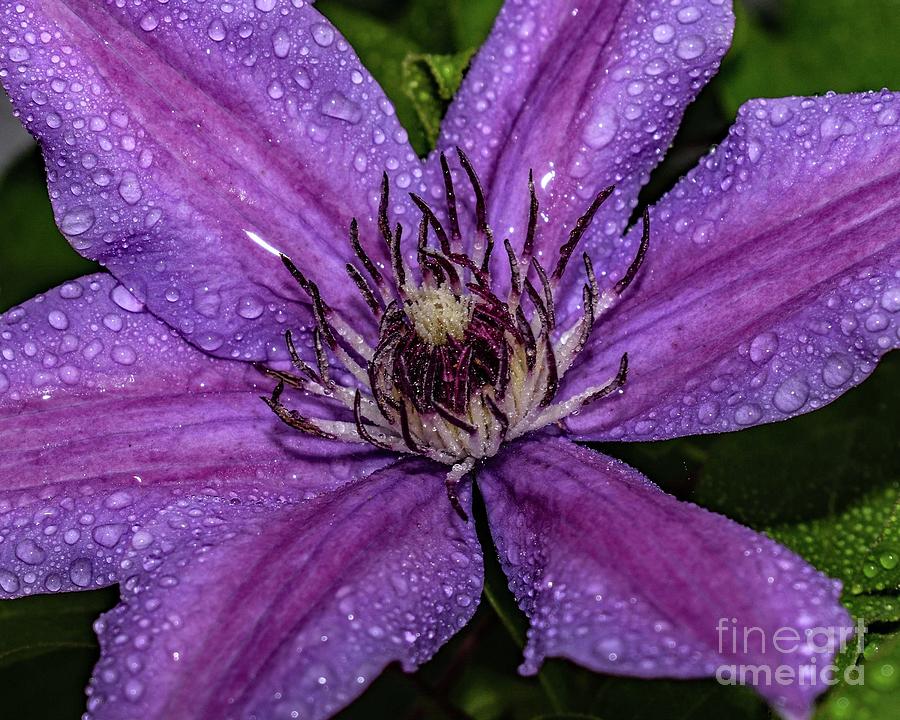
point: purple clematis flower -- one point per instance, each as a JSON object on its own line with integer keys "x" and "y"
{"x": 272, "y": 569}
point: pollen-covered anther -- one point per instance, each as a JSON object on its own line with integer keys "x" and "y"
{"x": 438, "y": 315}
{"x": 456, "y": 371}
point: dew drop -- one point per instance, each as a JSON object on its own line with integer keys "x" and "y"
{"x": 690, "y": 47}
{"x": 762, "y": 347}
{"x": 130, "y": 188}
{"x": 216, "y": 30}
{"x": 108, "y": 535}
{"x": 122, "y": 297}
{"x": 250, "y": 307}
{"x": 8, "y": 581}
{"x": 58, "y": 320}
{"x": 838, "y": 369}
{"x": 663, "y": 33}
{"x": 747, "y": 414}
{"x": 77, "y": 221}
{"x": 18, "y": 54}
{"x": 281, "y": 43}
{"x": 601, "y": 128}
{"x": 141, "y": 539}
{"x": 29, "y": 552}
{"x": 123, "y": 354}
{"x": 81, "y": 572}
{"x": 149, "y": 22}
{"x": 338, "y": 106}
{"x": 791, "y": 395}
{"x": 322, "y": 34}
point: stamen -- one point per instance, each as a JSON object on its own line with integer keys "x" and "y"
{"x": 581, "y": 226}
{"x": 548, "y": 293}
{"x": 452, "y": 215}
{"x": 638, "y": 259}
{"x": 364, "y": 289}
{"x": 456, "y": 371}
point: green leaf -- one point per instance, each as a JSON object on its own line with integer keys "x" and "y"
{"x": 382, "y": 50}
{"x": 878, "y": 695}
{"x": 827, "y": 485}
{"x": 34, "y": 256}
{"x": 430, "y": 82}
{"x": 874, "y": 608}
{"x": 34, "y": 626}
{"x": 448, "y": 26}
{"x": 805, "y": 47}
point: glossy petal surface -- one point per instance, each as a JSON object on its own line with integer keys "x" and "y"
{"x": 772, "y": 284}
{"x": 290, "y": 614}
{"x": 186, "y": 142}
{"x": 94, "y": 388}
{"x": 587, "y": 94}
{"x": 622, "y": 578}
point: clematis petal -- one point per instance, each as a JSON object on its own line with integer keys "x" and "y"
{"x": 186, "y": 145}
{"x": 622, "y": 578}
{"x": 587, "y": 94}
{"x": 771, "y": 286}
{"x": 97, "y": 398}
{"x": 298, "y": 611}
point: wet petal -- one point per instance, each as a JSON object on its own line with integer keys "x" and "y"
{"x": 298, "y": 612}
{"x": 772, "y": 284}
{"x": 587, "y": 94}
{"x": 622, "y": 578}
{"x": 186, "y": 143}
{"x": 101, "y": 403}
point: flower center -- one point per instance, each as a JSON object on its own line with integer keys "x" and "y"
{"x": 438, "y": 315}
{"x": 457, "y": 370}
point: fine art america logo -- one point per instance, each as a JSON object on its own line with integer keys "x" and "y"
{"x": 814, "y": 647}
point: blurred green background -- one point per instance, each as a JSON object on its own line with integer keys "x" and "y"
{"x": 825, "y": 484}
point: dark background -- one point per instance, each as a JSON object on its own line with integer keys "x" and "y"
{"x": 811, "y": 482}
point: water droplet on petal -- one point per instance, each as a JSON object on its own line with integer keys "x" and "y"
{"x": 81, "y": 572}
{"x": 838, "y": 370}
{"x": 791, "y": 395}
{"x": 690, "y": 47}
{"x": 338, "y": 106}
{"x": 108, "y": 535}
{"x": 323, "y": 34}
{"x": 77, "y": 221}
{"x": 30, "y": 552}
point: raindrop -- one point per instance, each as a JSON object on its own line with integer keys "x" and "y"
{"x": 791, "y": 395}
{"x": 601, "y": 129}
{"x": 30, "y": 552}
{"x": 322, "y": 34}
{"x": 8, "y": 582}
{"x": 108, "y": 535}
{"x": 747, "y": 414}
{"x": 663, "y": 33}
{"x": 81, "y": 572}
{"x": 122, "y": 297}
{"x": 338, "y": 106}
{"x": 281, "y": 43}
{"x": 690, "y": 47}
{"x": 77, "y": 221}
{"x": 130, "y": 188}
{"x": 58, "y": 319}
{"x": 216, "y": 30}
{"x": 123, "y": 354}
{"x": 838, "y": 369}
{"x": 149, "y": 22}
{"x": 250, "y": 307}
{"x": 762, "y": 347}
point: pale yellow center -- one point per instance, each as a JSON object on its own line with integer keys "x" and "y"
{"x": 438, "y": 315}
